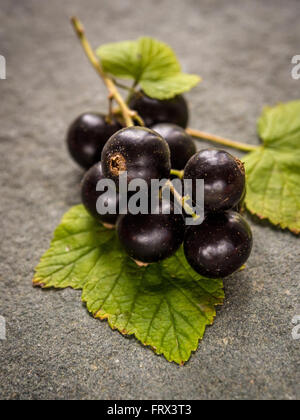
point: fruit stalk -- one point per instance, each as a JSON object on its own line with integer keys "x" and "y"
{"x": 201, "y": 135}
{"x": 127, "y": 113}
{"x": 181, "y": 200}
{"x": 177, "y": 173}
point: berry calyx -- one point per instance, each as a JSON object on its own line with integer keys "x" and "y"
{"x": 140, "y": 152}
{"x": 149, "y": 238}
{"x": 181, "y": 145}
{"x": 90, "y": 196}
{"x": 223, "y": 175}
{"x": 154, "y": 111}
{"x": 87, "y": 136}
{"x": 219, "y": 246}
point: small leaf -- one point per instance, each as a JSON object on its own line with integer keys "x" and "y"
{"x": 273, "y": 170}
{"x": 166, "y": 306}
{"x": 150, "y": 63}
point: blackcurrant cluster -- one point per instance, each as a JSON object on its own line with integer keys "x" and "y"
{"x": 89, "y": 132}
{"x": 217, "y": 247}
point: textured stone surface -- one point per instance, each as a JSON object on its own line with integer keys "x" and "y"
{"x": 54, "y": 348}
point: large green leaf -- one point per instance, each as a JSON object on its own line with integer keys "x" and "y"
{"x": 166, "y": 306}
{"x": 273, "y": 170}
{"x": 150, "y": 63}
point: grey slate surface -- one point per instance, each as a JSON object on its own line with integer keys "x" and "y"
{"x": 54, "y": 348}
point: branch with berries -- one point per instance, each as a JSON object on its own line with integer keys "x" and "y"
{"x": 168, "y": 298}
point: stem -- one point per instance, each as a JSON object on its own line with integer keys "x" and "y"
{"x": 121, "y": 85}
{"x": 181, "y": 200}
{"x": 138, "y": 119}
{"x": 110, "y": 110}
{"x": 127, "y": 113}
{"x": 132, "y": 91}
{"x": 220, "y": 140}
{"x": 177, "y": 173}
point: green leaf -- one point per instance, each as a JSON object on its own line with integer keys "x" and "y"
{"x": 150, "y": 63}
{"x": 176, "y": 84}
{"x": 166, "y": 306}
{"x": 273, "y": 170}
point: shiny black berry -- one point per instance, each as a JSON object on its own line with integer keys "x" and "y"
{"x": 90, "y": 196}
{"x": 86, "y": 137}
{"x": 140, "y": 151}
{"x": 149, "y": 238}
{"x": 154, "y": 111}
{"x": 220, "y": 245}
{"x": 181, "y": 145}
{"x": 223, "y": 175}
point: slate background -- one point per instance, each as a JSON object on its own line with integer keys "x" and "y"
{"x": 54, "y": 348}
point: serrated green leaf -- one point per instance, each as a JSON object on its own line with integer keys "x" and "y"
{"x": 166, "y": 306}
{"x": 150, "y": 63}
{"x": 273, "y": 170}
{"x": 145, "y": 58}
{"x": 279, "y": 126}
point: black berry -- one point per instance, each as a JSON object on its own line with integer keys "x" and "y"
{"x": 219, "y": 246}
{"x": 86, "y": 137}
{"x": 90, "y": 196}
{"x": 149, "y": 238}
{"x": 154, "y": 111}
{"x": 223, "y": 175}
{"x": 181, "y": 145}
{"x": 140, "y": 151}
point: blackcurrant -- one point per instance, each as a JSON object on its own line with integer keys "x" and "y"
{"x": 154, "y": 111}
{"x": 223, "y": 175}
{"x": 86, "y": 137}
{"x": 181, "y": 145}
{"x": 140, "y": 151}
{"x": 219, "y": 246}
{"x": 149, "y": 238}
{"x": 90, "y": 196}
